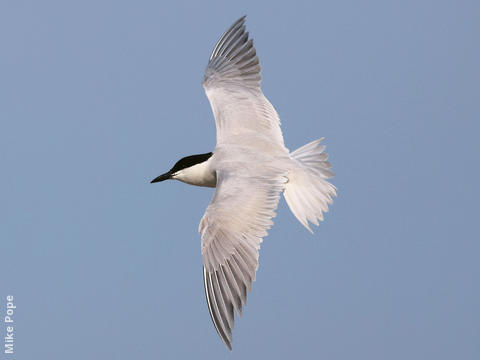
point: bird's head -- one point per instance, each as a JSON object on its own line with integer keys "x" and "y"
{"x": 181, "y": 165}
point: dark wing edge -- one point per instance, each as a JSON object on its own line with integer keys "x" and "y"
{"x": 226, "y": 290}
{"x": 223, "y": 330}
{"x": 234, "y": 60}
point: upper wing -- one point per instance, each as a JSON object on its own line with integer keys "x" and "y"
{"x": 232, "y": 229}
{"x": 232, "y": 84}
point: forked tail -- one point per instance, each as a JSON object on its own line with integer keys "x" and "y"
{"x": 307, "y": 191}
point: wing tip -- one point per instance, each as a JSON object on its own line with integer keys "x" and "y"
{"x": 240, "y": 20}
{"x": 226, "y": 340}
{"x": 234, "y": 59}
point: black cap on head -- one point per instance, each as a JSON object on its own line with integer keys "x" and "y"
{"x": 181, "y": 164}
{"x": 189, "y": 161}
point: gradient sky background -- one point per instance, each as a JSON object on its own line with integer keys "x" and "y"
{"x": 99, "y": 97}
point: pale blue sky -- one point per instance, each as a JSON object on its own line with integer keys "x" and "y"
{"x": 99, "y": 97}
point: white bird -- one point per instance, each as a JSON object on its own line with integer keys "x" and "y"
{"x": 250, "y": 168}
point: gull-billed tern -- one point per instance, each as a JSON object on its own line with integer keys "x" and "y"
{"x": 250, "y": 167}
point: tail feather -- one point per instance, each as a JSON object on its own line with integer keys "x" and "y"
{"x": 307, "y": 191}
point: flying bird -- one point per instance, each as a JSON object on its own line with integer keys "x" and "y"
{"x": 250, "y": 168}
